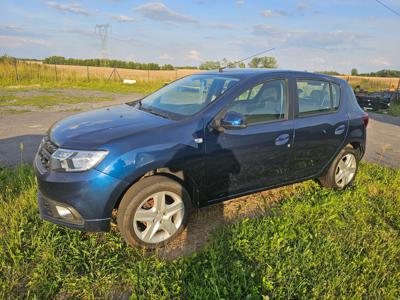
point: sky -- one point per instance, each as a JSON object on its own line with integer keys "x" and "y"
{"x": 306, "y": 35}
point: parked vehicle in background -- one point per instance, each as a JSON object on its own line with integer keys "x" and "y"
{"x": 200, "y": 140}
{"x": 387, "y": 96}
{"x": 376, "y": 100}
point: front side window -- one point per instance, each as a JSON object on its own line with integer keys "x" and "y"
{"x": 186, "y": 96}
{"x": 263, "y": 102}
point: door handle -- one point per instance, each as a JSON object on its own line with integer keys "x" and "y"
{"x": 282, "y": 139}
{"x": 340, "y": 129}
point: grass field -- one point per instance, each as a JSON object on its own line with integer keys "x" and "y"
{"x": 34, "y": 74}
{"x": 372, "y": 83}
{"x": 316, "y": 243}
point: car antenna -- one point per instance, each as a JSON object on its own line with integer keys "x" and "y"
{"x": 236, "y": 62}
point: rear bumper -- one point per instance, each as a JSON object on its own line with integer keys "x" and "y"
{"x": 89, "y": 196}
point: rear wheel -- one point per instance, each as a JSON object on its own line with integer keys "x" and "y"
{"x": 153, "y": 211}
{"x": 343, "y": 169}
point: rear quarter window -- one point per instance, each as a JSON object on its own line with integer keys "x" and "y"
{"x": 335, "y": 96}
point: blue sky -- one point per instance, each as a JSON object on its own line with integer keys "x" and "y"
{"x": 308, "y": 35}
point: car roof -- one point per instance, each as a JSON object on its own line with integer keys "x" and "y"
{"x": 251, "y": 72}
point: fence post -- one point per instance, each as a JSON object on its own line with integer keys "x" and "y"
{"x": 55, "y": 69}
{"x": 148, "y": 75}
{"x": 87, "y": 72}
{"x": 176, "y": 74}
{"x": 16, "y": 70}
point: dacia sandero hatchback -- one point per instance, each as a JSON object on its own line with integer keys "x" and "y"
{"x": 200, "y": 140}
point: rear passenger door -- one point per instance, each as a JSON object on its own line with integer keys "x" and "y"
{"x": 320, "y": 126}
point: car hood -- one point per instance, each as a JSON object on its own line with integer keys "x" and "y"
{"x": 96, "y": 128}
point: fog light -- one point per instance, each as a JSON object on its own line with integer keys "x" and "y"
{"x": 64, "y": 212}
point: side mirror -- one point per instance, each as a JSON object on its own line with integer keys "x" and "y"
{"x": 233, "y": 120}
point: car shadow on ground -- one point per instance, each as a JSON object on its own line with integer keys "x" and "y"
{"x": 19, "y": 149}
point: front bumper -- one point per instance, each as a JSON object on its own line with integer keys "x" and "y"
{"x": 89, "y": 195}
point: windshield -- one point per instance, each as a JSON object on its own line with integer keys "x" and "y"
{"x": 186, "y": 96}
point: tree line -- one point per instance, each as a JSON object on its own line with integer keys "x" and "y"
{"x": 381, "y": 73}
{"x": 111, "y": 63}
{"x": 256, "y": 62}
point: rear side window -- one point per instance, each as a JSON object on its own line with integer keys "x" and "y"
{"x": 263, "y": 102}
{"x": 317, "y": 96}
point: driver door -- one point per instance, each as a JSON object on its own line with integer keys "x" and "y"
{"x": 242, "y": 160}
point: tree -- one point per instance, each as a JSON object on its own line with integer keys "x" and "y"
{"x": 263, "y": 62}
{"x": 210, "y": 65}
{"x": 354, "y": 72}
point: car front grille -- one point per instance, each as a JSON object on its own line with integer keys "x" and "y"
{"x": 46, "y": 149}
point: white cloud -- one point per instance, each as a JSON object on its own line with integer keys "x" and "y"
{"x": 73, "y": 8}
{"x": 225, "y": 26}
{"x": 83, "y": 32}
{"x": 239, "y": 2}
{"x": 12, "y": 42}
{"x": 193, "y": 55}
{"x": 13, "y": 28}
{"x": 269, "y": 13}
{"x": 309, "y": 39}
{"x": 123, "y": 18}
{"x": 381, "y": 61}
{"x": 301, "y": 6}
{"x": 318, "y": 60}
{"x": 165, "y": 56}
{"x": 157, "y": 11}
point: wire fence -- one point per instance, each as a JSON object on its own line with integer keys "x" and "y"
{"x": 20, "y": 72}
{"x": 23, "y": 72}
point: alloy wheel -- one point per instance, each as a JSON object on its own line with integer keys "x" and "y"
{"x": 158, "y": 217}
{"x": 345, "y": 170}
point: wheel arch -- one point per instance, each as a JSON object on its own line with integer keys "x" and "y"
{"x": 178, "y": 175}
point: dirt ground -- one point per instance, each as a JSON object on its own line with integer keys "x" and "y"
{"x": 20, "y": 135}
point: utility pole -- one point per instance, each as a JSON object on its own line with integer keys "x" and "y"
{"x": 102, "y": 30}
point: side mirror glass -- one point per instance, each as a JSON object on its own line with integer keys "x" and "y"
{"x": 233, "y": 120}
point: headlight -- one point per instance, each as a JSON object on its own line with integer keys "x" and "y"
{"x": 75, "y": 160}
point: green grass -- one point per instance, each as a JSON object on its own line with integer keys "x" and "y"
{"x": 47, "y": 100}
{"x": 316, "y": 243}
{"x": 141, "y": 87}
{"x": 369, "y": 84}
{"x": 394, "y": 109}
{"x": 31, "y": 75}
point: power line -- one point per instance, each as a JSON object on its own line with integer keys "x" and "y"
{"x": 236, "y": 62}
{"x": 388, "y": 7}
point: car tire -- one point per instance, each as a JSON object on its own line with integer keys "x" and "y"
{"x": 153, "y": 211}
{"x": 343, "y": 169}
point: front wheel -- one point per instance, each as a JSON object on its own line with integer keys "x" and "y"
{"x": 342, "y": 171}
{"x": 153, "y": 211}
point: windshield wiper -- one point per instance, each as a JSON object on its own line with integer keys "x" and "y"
{"x": 153, "y": 112}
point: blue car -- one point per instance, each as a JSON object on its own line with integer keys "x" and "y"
{"x": 200, "y": 140}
